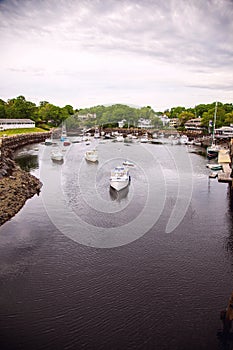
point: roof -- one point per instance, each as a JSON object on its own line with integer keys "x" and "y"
{"x": 16, "y": 121}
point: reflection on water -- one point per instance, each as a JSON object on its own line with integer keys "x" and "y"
{"x": 27, "y": 162}
{"x": 118, "y": 195}
{"x": 162, "y": 291}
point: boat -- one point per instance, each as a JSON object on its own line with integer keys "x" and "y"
{"x": 183, "y": 140}
{"x": 120, "y": 138}
{"x": 214, "y": 167}
{"x": 63, "y": 132}
{"x": 48, "y": 141}
{"x": 57, "y": 156}
{"x": 96, "y": 133}
{"x": 92, "y": 156}
{"x": 120, "y": 178}
{"x": 144, "y": 139}
{"x": 212, "y": 151}
{"x": 66, "y": 143}
{"x": 128, "y": 163}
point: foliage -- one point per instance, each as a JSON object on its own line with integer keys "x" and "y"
{"x": 52, "y": 116}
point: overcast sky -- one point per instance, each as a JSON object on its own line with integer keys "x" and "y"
{"x": 162, "y": 53}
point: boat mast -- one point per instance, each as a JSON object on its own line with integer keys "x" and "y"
{"x": 215, "y": 114}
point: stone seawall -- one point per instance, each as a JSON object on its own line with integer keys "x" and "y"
{"x": 17, "y": 141}
{"x": 16, "y": 185}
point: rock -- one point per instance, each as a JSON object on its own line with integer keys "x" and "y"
{"x": 16, "y": 186}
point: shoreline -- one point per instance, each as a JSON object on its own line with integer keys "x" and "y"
{"x": 16, "y": 186}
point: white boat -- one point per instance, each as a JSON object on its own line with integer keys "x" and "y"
{"x": 120, "y": 138}
{"x": 48, "y": 141}
{"x": 97, "y": 133}
{"x": 57, "y": 156}
{"x": 144, "y": 139}
{"x": 183, "y": 140}
{"x": 128, "y": 163}
{"x": 119, "y": 178}
{"x": 92, "y": 156}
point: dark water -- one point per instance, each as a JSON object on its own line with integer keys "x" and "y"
{"x": 84, "y": 268}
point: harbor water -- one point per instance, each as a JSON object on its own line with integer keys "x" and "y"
{"x": 85, "y": 267}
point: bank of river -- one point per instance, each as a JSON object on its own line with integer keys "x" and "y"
{"x": 82, "y": 268}
{"x": 16, "y": 186}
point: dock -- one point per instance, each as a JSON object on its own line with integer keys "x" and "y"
{"x": 224, "y": 159}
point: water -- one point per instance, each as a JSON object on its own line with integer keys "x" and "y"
{"x": 85, "y": 268}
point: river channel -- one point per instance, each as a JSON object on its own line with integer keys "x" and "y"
{"x": 84, "y": 267}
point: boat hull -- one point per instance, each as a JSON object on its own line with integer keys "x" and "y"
{"x": 119, "y": 185}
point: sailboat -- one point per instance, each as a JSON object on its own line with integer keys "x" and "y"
{"x": 64, "y": 138}
{"x": 63, "y": 132}
{"x": 212, "y": 151}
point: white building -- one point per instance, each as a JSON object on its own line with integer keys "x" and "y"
{"x": 164, "y": 119}
{"x": 122, "y": 123}
{"x": 144, "y": 123}
{"x": 87, "y": 116}
{"x": 224, "y": 132}
{"x": 16, "y": 124}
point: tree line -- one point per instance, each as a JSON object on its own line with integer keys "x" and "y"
{"x": 47, "y": 114}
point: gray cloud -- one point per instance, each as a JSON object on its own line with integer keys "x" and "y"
{"x": 192, "y": 32}
{"x": 192, "y": 37}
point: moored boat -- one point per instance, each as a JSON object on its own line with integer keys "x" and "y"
{"x": 214, "y": 167}
{"x": 92, "y": 156}
{"x": 120, "y": 178}
{"x": 128, "y": 163}
{"x": 57, "y": 156}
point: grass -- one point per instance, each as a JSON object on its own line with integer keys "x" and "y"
{"x": 11, "y": 132}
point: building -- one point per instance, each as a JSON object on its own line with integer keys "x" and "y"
{"x": 16, "y": 124}
{"x": 224, "y": 132}
{"x": 174, "y": 122}
{"x": 87, "y": 116}
{"x": 121, "y": 123}
{"x": 144, "y": 123}
{"x": 194, "y": 124}
{"x": 164, "y": 119}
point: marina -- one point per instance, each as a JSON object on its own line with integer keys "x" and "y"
{"x": 130, "y": 257}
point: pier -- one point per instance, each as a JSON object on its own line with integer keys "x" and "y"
{"x": 225, "y": 159}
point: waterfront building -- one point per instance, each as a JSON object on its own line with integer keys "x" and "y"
{"x": 194, "y": 124}
{"x": 16, "y": 124}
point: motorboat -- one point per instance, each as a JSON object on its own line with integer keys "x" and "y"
{"x": 48, "y": 141}
{"x": 120, "y": 138}
{"x": 128, "y": 163}
{"x": 183, "y": 140}
{"x": 92, "y": 156}
{"x": 57, "y": 156}
{"x": 144, "y": 139}
{"x": 212, "y": 151}
{"x": 120, "y": 178}
{"x": 214, "y": 167}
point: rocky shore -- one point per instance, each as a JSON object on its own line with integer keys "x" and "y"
{"x": 16, "y": 186}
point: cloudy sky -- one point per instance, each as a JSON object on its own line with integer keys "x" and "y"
{"x": 138, "y": 52}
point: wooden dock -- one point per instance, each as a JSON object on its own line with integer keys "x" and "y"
{"x": 224, "y": 159}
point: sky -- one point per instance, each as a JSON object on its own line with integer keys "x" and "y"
{"x": 85, "y": 53}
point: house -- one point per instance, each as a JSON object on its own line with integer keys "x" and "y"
{"x": 16, "y": 124}
{"x": 194, "y": 124}
{"x": 122, "y": 123}
{"x": 144, "y": 123}
{"x": 164, "y": 119}
{"x": 87, "y": 116}
{"x": 224, "y": 132}
{"x": 174, "y": 122}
